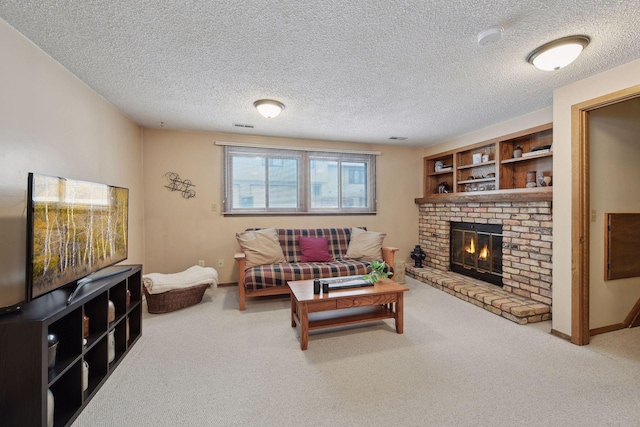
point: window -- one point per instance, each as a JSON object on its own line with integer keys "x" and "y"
{"x": 269, "y": 180}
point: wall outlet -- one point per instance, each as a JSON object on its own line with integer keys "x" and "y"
{"x": 221, "y": 263}
{"x": 201, "y": 262}
{"x": 214, "y": 207}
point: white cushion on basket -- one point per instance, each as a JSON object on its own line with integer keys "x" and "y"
{"x": 158, "y": 282}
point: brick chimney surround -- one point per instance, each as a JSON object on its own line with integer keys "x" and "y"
{"x": 527, "y": 248}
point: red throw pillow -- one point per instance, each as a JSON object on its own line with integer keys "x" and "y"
{"x": 315, "y": 249}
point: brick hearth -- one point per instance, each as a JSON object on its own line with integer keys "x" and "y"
{"x": 526, "y": 263}
{"x": 485, "y": 295}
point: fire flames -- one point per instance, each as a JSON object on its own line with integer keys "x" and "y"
{"x": 471, "y": 248}
{"x": 484, "y": 252}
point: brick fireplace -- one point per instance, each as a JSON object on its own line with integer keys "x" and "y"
{"x": 526, "y": 245}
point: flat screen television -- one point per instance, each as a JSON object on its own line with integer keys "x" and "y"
{"x": 74, "y": 228}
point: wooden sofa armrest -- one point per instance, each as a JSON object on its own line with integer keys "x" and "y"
{"x": 388, "y": 255}
{"x": 240, "y": 260}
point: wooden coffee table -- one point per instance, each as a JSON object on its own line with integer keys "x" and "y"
{"x": 383, "y": 300}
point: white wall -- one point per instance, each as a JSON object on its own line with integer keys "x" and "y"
{"x": 526, "y": 121}
{"x": 179, "y": 232}
{"x": 614, "y": 80}
{"x": 52, "y": 123}
{"x": 614, "y": 133}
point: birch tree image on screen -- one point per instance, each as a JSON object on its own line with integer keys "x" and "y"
{"x": 78, "y": 228}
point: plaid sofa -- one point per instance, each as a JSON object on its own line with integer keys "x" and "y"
{"x": 272, "y": 279}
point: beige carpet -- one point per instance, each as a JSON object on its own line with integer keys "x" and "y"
{"x": 455, "y": 365}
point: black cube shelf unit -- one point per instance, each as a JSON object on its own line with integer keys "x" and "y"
{"x": 25, "y": 375}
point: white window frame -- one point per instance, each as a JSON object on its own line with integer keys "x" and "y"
{"x": 304, "y": 189}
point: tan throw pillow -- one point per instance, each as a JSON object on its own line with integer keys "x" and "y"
{"x": 365, "y": 245}
{"x": 260, "y": 247}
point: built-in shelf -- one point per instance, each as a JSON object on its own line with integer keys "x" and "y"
{"x": 440, "y": 172}
{"x": 477, "y": 165}
{"x": 472, "y": 181}
{"x": 527, "y": 158}
{"x": 489, "y": 171}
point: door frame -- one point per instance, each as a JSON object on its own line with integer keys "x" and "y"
{"x": 580, "y": 208}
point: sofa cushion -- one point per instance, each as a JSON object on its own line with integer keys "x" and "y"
{"x": 338, "y": 239}
{"x": 315, "y": 249}
{"x": 260, "y": 247}
{"x": 365, "y": 245}
{"x": 266, "y": 276}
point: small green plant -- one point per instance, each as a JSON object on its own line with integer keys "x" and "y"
{"x": 379, "y": 271}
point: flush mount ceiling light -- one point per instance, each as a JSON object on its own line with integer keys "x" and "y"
{"x": 558, "y": 53}
{"x": 269, "y": 108}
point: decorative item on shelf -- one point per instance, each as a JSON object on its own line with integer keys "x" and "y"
{"x": 379, "y": 271}
{"x": 52, "y": 344}
{"x": 85, "y": 375}
{"x": 128, "y": 331}
{"x": 517, "y": 152}
{"x": 491, "y": 175}
{"x": 418, "y": 255}
{"x": 438, "y": 166}
{"x": 128, "y": 300}
{"x": 531, "y": 179}
{"x": 443, "y": 187}
{"x": 485, "y": 155}
{"x": 111, "y": 346}
{"x": 541, "y": 148}
{"x": 85, "y": 326}
{"x": 111, "y": 316}
{"x": 51, "y": 403}
{"x": 544, "y": 179}
{"x": 477, "y": 158}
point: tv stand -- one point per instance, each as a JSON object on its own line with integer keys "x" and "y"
{"x": 11, "y": 308}
{"x": 98, "y": 275}
{"x": 25, "y": 376}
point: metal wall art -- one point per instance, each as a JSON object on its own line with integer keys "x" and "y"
{"x": 178, "y": 184}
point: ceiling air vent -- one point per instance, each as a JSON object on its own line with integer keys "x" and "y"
{"x": 398, "y": 138}
{"x": 240, "y": 125}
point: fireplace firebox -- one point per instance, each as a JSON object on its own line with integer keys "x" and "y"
{"x": 476, "y": 251}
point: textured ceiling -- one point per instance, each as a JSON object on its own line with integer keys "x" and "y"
{"x": 360, "y": 71}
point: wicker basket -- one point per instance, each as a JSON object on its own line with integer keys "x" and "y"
{"x": 174, "y": 299}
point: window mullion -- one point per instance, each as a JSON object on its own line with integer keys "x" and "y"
{"x": 340, "y": 184}
{"x": 304, "y": 180}
{"x": 267, "y": 159}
